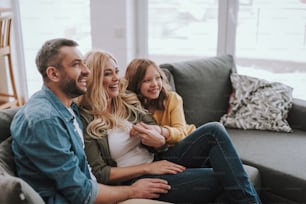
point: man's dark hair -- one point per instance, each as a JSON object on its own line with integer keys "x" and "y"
{"x": 49, "y": 54}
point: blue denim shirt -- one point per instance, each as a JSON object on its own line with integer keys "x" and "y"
{"x": 48, "y": 151}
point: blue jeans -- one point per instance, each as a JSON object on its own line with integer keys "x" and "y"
{"x": 213, "y": 168}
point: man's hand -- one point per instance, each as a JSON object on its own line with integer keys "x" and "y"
{"x": 149, "y": 188}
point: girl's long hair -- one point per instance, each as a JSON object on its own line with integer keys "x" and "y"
{"x": 94, "y": 102}
{"x": 135, "y": 74}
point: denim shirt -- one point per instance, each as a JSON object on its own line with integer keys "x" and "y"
{"x": 48, "y": 151}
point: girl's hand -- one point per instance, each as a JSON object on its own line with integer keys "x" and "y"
{"x": 149, "y": 135}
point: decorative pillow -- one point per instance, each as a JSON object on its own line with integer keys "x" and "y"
{"x": 258, "y": 104}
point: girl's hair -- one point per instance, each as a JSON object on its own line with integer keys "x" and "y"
{"x": 135, "y": 74}
{"x": 94, "y": 101}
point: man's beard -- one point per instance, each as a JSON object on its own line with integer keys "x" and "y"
{"x": 70, "y": 88}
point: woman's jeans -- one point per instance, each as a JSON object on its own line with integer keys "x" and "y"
{"x": 213, "y": 168}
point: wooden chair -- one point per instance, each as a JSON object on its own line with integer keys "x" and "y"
{"x": 10, "y": 98}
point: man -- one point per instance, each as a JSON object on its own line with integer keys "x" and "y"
{"x": 47, "y": 136}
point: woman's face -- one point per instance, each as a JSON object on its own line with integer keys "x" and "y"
{"x": 111, "y": 78}
{"x": 151, "y": 84}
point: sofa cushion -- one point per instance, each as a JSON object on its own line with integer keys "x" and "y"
{"x": 6, "y": 116}
{"x": 280, "y": 158}
{"x": 7, "y": 164}
{"x": 258, "y": 104}
{"x": 14, "y": 190}
{"x": 204, "y": 85}
{"x": 297, "y": 114}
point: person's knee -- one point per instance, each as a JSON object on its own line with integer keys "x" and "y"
{"x": 213, "y": 126}
{"x": 216, "y": 125}
{"x": 215, "y": 129}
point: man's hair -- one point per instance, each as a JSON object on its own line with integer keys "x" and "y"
{"x": 49, "y": 54}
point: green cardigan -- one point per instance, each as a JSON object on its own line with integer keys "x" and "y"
{"x": 97, "y": 150}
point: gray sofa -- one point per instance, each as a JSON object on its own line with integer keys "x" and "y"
{"x": 273, "y": 160}
{"x": 280, "y": 157}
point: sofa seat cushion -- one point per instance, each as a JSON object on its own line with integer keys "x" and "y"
{"x": 204, "y": 85}
{"x": 7, "y": 164}
{"x": 276, "y": 155}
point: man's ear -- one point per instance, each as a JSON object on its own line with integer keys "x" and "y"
{"x": 52, "y": 73}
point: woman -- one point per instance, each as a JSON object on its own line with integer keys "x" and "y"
{"x": 120, "y": 149}
{"x": 206, "y": 146}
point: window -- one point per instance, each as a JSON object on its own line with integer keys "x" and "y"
{"x": 182, "y": 29}
{"x": 270, "y": 36}
{"x": 271, "y": 41}
{"x": 42, "y": 20}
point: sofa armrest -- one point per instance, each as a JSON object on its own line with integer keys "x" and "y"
{"x": 297, "y": 114}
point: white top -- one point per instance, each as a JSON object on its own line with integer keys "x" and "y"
{"x": 126, "y": 150}
{"x": 80, "y": 133}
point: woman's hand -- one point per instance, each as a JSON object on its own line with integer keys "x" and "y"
{"x": 164, "y": 167}
{"x": 149, "y": 135}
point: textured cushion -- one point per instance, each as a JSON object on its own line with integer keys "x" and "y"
{"x": 258, "y": 104}
{"x": 204, "y": 85}
{"x": 6, "y": 117}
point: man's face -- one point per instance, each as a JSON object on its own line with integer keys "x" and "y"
{"x": 74, "y": 72}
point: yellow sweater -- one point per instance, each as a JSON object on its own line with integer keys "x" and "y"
{"x": 173, "y": 118}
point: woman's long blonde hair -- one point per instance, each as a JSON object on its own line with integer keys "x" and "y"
{"x": 94, "y": 102}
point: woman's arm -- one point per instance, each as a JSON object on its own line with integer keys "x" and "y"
{"x": 106, "y": 172}
{"x": 119, "y": 174}
{"x": 172, "y": 119}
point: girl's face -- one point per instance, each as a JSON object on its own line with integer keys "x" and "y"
{"x": 111, "y": 78}
{"x": 151, "y": 84}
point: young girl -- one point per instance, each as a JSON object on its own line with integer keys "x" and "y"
{"x": 122, "y": 147}
{"x": 206, "y": 146}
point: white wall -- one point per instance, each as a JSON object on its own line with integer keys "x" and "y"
{"x": 116, "y": 33}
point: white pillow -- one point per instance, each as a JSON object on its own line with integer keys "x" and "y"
{"x": 258, "y": 104}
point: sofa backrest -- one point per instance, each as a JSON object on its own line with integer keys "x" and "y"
{"x": 204, "y": 85}
{"x": 6, "y": 117}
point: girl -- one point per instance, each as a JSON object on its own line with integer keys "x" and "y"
{"x": 206, "y": 146}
